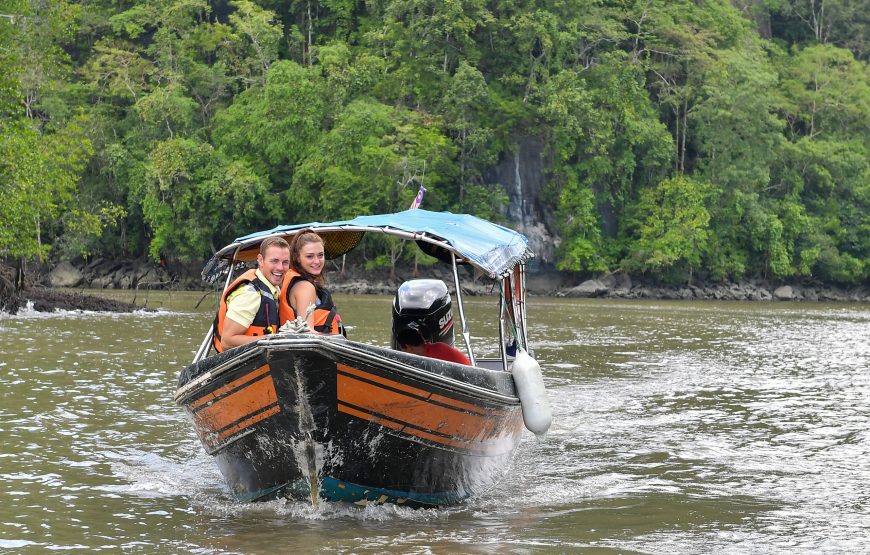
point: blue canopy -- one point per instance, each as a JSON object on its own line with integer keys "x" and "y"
{"x": 491, "y": 248}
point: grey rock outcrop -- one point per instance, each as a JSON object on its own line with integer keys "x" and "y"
{"x": 589, "y": 288}
{"x": 65, "y": 275}
{"x": 783, "y": 293}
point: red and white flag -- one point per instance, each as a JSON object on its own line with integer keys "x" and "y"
{"x": 418, "y": 199}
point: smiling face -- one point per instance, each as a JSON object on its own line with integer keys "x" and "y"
{"x": 274, "y": 264}
{"x": 311, "y": 258}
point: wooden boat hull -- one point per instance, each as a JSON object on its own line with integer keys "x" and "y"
{"x": 320, "y": 417}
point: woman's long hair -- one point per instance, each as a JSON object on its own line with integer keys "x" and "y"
{"x": 299, "y": 241}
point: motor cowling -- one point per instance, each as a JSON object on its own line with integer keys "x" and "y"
{"x": 423, "y": 304}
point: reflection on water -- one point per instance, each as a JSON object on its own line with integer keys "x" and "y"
{"x": 678, "y": 428}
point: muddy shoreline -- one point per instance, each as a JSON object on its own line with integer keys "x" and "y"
{"x": 48, "y": 286}
{"x": 42, "y": 299}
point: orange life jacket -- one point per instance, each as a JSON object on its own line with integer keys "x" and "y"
{"x": 326, "y": 317}
{"x": 266, "y": 319}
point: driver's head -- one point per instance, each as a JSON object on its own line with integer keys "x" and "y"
{"x": 410, "y": 340}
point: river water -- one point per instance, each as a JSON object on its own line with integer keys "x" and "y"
{"x": 679, "y": 427}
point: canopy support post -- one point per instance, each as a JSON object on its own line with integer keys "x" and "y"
{"x": 465, "y": 334}
{"x": 501, "y": 310}
{"x": 206, "y": 342}
{"x": 511, "y": 284}
{"x": 521, "y": 298}
{"x": 204, "y": 346}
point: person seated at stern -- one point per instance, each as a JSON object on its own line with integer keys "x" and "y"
{"x": 411, "y": 340}
{"x": 303, "y": 286}
{"x": 249, "y": 307}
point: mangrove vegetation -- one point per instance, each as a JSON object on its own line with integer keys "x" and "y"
{"x": 679, "y": 139}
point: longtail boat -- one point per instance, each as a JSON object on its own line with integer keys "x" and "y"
{"x": 323, "y": 417}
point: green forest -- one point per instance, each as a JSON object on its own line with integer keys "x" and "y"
{"x": 682, "y": 139}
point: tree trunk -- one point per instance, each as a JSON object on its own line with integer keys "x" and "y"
{"x": 685, "y": 133}
{"x": 19, "y": 273}
{"x": 310, "y": 35}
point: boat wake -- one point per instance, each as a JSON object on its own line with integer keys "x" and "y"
{"x": 196, "y": 479}
{"x": 29, "y": 313}
{"x": 151, "y": 475}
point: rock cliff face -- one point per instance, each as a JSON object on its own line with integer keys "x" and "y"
{"x": 522, "y": 172}
{"x": 145, "y": 275}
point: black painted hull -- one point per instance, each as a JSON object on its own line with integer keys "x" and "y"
{"x": 320, "y": 417}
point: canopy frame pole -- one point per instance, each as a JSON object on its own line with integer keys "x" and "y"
{"x": 209, "y": 335}
{"x": 204, "y": 346}
{"x": 516, "y": 310}
{"x": 425, "y": 237}
{"x": 501, "y": 311}
{"x": 521, "y": 298}
{"x": 465, "y": 334}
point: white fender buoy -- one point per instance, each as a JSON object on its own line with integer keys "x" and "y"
{"x": 532, "y": 393}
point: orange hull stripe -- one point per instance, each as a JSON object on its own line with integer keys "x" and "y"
{"x": 385, "y": 381}
{"x": 463, "y": 405}
{"x": 417, "y": 412}
{"x": 237, "y": 406}
{"x": 419, "y": 392}
{"x": 242, "y": 425}
{"x": 411, "y": 431}
{"x": 229, "y": 387}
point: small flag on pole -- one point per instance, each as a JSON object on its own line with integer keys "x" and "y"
{"x": 418, "y": 199}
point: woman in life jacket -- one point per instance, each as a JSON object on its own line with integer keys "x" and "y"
{"x": 303, "y": 286}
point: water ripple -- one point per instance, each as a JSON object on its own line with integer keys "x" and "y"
{"x": 678, "y": 428}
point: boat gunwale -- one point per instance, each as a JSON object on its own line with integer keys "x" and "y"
{"x": 346, "y": 347}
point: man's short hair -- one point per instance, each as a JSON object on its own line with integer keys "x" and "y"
{"x": 409, "y": 336}
{"x": 273, "y": 242}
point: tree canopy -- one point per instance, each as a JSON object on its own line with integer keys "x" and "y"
{"x": 681, "y": 139}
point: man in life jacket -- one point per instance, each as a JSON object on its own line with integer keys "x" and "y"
{"x": 411, "y": 340}
{"x": 249, "y": 306}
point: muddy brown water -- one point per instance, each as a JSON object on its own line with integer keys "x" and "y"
{"x": 679, "y": 427}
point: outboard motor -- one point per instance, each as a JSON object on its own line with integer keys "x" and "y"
{"x": 423, "y": 304}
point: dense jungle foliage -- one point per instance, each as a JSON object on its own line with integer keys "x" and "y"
{"x": 712, "y": 138}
